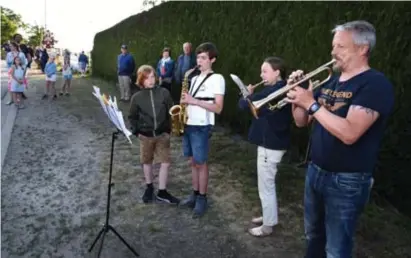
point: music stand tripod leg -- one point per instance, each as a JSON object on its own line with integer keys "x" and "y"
{"x": 102, "y": 242}
{"x": 304, "y": 163}
{"x": 122, "y": 240}
{"x": 307, "y": 152}
{"x": 95, "y": 240}
{"x": 107, "y": 226}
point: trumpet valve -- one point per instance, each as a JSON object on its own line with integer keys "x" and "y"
{"x": 281, "y": 104}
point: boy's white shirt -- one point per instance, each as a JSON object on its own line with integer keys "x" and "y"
{"x": 214, "y": 85}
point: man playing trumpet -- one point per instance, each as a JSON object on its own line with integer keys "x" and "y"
{"x": 271, "y": 133}
{"x": 351, "y": 112}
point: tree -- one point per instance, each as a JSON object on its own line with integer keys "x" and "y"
{"x": 38, "y": 35}
{"x": 10, "y": 23}
{"x": 35, "y": 33}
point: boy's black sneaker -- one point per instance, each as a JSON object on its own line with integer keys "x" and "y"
{"x": 166, "y": 197}
{"x": 148, "y": 195}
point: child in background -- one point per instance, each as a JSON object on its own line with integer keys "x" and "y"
{"x": 67, "y": 76}
{"x": 17, "y": 72}
{"x": 51, "y": 76}
{"x": 14, "y": 52}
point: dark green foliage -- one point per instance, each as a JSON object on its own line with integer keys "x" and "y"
{"x": 300, "y": 32}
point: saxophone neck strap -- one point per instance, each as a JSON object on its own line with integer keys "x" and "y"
{"x": 205, "y": 99}
{"x": 199, "y": 86}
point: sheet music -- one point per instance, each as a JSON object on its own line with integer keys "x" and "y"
{"x": 110, "y": 107}
{"x": 240, "y": 85}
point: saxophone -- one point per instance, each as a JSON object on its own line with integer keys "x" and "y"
{"x": 178, "y": 113}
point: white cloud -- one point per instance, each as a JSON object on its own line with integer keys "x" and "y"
{"x": 75, "y": 22}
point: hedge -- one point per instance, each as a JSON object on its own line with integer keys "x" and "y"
{"x": 300, "y": 32}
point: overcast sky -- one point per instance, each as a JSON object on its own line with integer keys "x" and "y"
{"x": 75, "y": 22}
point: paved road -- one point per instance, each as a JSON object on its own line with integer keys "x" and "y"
{"x": 8, "y": 114}
{"x": 3, "y": 78}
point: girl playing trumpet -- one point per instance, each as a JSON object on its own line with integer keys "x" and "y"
{"x": 271, "y": 133}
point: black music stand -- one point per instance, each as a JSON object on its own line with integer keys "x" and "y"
{"x": 304, "y": 163}
{"x": 107, "y": 227}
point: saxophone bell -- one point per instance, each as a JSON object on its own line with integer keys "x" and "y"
{"x": 174, "y": 110}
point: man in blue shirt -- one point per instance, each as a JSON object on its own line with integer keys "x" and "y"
{"x": 185, "y": 62}
{"x": 350, "y": 113}
{"x": 125, "y": 69}
{"x": 83, "y": 62}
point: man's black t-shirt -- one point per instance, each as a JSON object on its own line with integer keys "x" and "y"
{"x": 369, "y": 89}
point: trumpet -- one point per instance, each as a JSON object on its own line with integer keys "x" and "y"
{"x": 245, "y": 92}
{"x": 284, "y": 102}
{"x": 258, "y": 84}
{"x": 256, "y": 105}
{"x": 243, "y": 89}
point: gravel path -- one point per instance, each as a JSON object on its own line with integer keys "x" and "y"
{"x": 54, "y": 186}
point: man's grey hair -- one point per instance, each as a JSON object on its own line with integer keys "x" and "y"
{"x": 363, "y": 33}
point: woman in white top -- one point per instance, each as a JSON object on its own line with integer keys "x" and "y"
{"x": 14, "y": 52}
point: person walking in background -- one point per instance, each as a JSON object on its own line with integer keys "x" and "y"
{"x": 6, "y": 46}
{"x": 37, "y": 54}
{"x": 186, "y": 61}
{"x": 125, "y": 69}
{"x": 83, "y": 62}
{"x": 165, "y": 69}
{"x": 44, "y": 57}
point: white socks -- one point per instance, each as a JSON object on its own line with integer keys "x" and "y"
{"x": 261, "y": 230}
{"x": 258, "y": 220}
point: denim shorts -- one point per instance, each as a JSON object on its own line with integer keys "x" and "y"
{"x": 68, "y": 76}
{"x": 196, "y": 142}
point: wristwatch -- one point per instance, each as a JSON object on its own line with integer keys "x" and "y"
{"x": 314, "y": 108}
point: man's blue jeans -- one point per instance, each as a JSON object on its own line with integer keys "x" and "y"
{"x": 333, "y": 203}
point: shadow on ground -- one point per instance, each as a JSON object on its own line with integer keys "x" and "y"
{"x": 54, "y": 187}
